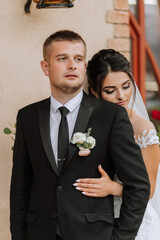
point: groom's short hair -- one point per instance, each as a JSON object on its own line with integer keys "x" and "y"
{"x": 62, "y": 35}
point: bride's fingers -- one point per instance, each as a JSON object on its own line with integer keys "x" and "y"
{"x": 92, "y": 190}
{"x": 87, "y": 185}
{"x": 90, "y": 194}
{"x": 87, "y": 190}
{"x": 88, "y": 180}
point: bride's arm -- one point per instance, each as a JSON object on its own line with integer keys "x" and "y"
{"x": 99, "y": 187}
{"x": 149, "y": 143}
{"x": 151, "y": 157}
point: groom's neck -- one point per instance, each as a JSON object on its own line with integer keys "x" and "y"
{"x": 65, "y": 96}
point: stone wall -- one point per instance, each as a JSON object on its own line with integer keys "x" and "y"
{"x": 119, "y": 17}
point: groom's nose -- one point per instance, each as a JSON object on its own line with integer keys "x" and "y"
{"x": 71, "y": 64}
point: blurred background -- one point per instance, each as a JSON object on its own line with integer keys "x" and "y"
{"x": 145, "y": 52}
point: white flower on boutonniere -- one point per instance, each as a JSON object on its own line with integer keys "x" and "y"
{"x": 84, "y": 142}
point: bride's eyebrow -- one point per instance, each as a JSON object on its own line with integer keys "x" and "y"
{"x": 106, "y": 87}
{"x": 126, "y": 82}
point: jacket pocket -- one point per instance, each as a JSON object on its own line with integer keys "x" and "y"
{"x": 92, "y": 218}
{"x": 31, "y": 217}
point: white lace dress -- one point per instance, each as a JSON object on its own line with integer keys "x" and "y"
{"x": 150, "y": 226}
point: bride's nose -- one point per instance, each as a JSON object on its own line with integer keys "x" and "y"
{"x": 120, "y": 95}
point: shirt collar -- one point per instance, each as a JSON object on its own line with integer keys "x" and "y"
{"x": 71, "y": 105}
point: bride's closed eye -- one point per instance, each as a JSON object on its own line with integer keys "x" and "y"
{"x": 112, "y": 89}
{"x": 108, "y": 91}
{"x": 127, "y": 86}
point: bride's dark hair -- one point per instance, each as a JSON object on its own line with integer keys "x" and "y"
{"x": 104, "y": 62}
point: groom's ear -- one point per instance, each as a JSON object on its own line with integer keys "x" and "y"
{"x": 45, "y": 67}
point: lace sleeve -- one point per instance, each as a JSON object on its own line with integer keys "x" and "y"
{"x": 147, "y": 139}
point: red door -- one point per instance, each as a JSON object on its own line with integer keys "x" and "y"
{"x": 143, "y": 59}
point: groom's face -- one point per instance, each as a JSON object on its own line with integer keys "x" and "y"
{"x": 66, "y": 66}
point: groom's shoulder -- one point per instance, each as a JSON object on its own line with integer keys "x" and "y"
{"x": 35, "y": 106}
{"x": 105, "y": 105}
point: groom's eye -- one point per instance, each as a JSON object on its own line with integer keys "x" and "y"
{"x": 79, "y": 59}
{"x": 61, "y": 58}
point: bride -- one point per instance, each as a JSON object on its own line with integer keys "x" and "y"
{"x": 110, "y": 79}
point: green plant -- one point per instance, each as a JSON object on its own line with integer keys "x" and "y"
{"x": 11, "y": 131}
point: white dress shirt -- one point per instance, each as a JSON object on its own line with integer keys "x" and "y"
{"x": 55, "y": 117}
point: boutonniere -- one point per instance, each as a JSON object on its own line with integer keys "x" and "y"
{"x": 84, "y": 142}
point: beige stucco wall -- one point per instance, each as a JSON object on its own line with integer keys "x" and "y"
{"x": 21, "y": 79}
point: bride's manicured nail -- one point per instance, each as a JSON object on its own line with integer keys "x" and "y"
{"x": 75, "y": 184}
{"x": 77, "y": 180}
{"x": 100, "y": 165}
{"x": 77, "y": 188}
{"x": 83, "y": 193}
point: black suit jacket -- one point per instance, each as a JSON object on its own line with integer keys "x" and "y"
{"x": 39, "y": 196}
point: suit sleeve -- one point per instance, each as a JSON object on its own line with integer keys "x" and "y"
{"x": 130, "y": 169}
{"x": 20, "y": 185}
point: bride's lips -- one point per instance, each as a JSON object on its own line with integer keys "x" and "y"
{"x": 122, "y": 103}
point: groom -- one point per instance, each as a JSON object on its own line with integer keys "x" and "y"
{"x": 44, "y": 203}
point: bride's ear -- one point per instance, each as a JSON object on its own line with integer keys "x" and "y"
{"x": 94, "y": 93}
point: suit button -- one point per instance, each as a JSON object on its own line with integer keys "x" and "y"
{"x": 59, "y": 188}
{"x": 54, "y": 215}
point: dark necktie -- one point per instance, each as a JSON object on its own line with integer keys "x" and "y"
{"x": 63, "y": 137}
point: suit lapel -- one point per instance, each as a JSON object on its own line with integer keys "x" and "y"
{"x": 44, "y": 117}
{"x": 83, "y": 117}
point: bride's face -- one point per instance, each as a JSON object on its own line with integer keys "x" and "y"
{"x": 117, "y": 88}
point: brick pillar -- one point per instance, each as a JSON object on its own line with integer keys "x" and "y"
{"x": 120, "y": 18}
